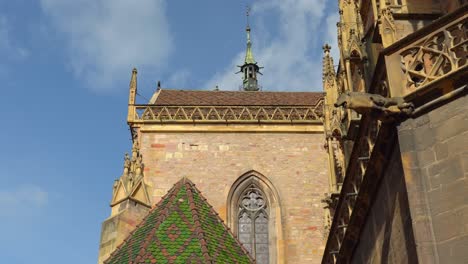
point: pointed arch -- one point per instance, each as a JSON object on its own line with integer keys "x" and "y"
{"x": 355, "y": 54}
{"x": 336, "y": 132}
{"x": 261, "y": 186}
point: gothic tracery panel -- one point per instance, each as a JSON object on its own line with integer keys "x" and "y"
{"x": 253, "y": 223}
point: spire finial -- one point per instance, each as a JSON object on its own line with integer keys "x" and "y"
{"x": 133, "y": 79}
{"x": 247, "y": 13}
{"x": 328, "y": 69}
{"x": 250, "y": 69}
{"x": 249, "y": 59}
{"x": 326, "y": 48}
{"x": 131, "y": 96}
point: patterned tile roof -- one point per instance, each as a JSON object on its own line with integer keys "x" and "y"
{"x": 235, "y": 98}
{"x": 182, "y": 228}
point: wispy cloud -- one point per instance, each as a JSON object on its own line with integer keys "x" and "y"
{"x": 287, "y": 54}
{"x": 23, "y": 196}
{"x": 8, "y": 48}
{"x": 105, "y": 39}
{"x": 180, "y": 79}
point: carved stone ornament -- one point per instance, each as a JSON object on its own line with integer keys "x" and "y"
{"x": 131, "y": 185}
{"x": 435, "y": 56}
{"x": 379, "y": 107}
{"x": 387, "y": 27}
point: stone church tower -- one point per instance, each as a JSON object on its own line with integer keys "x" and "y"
{"x": 257, "y": 156}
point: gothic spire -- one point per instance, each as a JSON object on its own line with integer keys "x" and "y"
{"x": 250, "y": 69}
{"x": 132, "y": 95}
{"x": 249, "y": 58}
{"x": 327, "y": 70}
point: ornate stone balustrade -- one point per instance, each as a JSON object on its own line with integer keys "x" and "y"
{"x": 217, "y": 114}
{"x": 434, "y": 57}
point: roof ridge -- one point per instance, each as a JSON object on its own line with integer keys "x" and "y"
{"x": 235, "y": 91}
{"x": 216, "y": 214}
{"x": 196, "y": 220}
{"x": 143, "y": 220}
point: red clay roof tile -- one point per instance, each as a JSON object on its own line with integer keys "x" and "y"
{"x": 237, "y": 98}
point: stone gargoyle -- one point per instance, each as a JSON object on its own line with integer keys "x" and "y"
{"x": 379, "y": 107}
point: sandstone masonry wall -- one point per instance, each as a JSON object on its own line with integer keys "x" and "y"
{"x": 387, "y": 236}
{"x": 296, "y": 164}
{"x": 435, "y": 160}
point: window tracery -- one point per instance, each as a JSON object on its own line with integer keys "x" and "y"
{"x": 253, "y": 223}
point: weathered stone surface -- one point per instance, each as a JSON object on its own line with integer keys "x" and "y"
{"x": 441, "y": 151}
{"x": 426, "y": 157}
{"x": 449, "y": 196}
{"x": 117, "y": 227}
{"x": 445, "y": 172}
{"x": 387, "y": 236}
{"x": 296, "y": 164}
{"x": 437, "y": 181}
{"x": 447, "y": 225}
{"x": 454, "y": 251}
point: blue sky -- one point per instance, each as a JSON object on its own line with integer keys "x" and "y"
{"x": 65, "y": 66}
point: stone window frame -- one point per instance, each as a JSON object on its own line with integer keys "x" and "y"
{"x": 275, "y": 235}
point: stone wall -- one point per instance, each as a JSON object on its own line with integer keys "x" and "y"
{"x": 387, "y": 235}
{"x": 295, "y": 163}
{"x": 434, "y": 150}
{"x": 117, "y": 227}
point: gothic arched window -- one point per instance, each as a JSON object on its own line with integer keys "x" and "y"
{"x": 253, "y": 223}
{"x": 254, "y": 215}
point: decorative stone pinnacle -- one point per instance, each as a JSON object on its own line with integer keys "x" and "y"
{"x": 328, "y": 69}
{"x": 138, "y": 166}
{"x": 326, "y": 48}
{"x": 135, "y": 149}
{"x": 127, "y": 163}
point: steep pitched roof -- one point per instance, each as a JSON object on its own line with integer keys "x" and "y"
{"x": 182, "y": 228}
{"x": 235, "y": 98}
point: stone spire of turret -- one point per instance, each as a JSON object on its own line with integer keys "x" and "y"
{"x": 328, "y": 70}
{"x": 132, "y": 95}
{"x": 250, "y": 69}
{"x": 133, "y": 87}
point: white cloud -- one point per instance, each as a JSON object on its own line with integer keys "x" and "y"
{"x": 23, "y": 196}
{"x": 8, "y": 48}
{"x": 106, "y": 38}
{"x": 287, "y": 56}
{"x": 180, "y": 79}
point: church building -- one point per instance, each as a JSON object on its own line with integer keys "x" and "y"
{"x": 372, "y": 170}
{"x": 257, "y": 157}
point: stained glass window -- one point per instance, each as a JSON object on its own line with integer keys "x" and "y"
{"x": 253, "y": 223}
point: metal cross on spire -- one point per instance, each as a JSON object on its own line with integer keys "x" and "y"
{"x": 247, "y": 11}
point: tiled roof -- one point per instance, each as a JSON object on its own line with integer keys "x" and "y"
{"x": 235, "y": 98}
{"x": 182, "y": 228}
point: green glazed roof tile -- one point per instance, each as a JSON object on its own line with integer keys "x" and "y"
{"x": 182, "y": 228}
